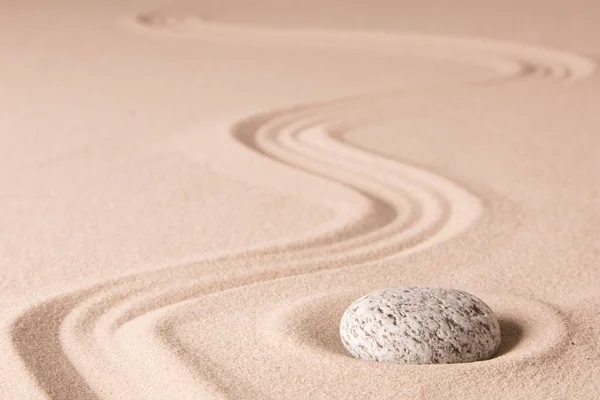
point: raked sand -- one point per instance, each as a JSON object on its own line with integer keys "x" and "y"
{"x": 193, "y": 192}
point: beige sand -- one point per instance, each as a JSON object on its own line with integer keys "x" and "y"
{"x": 193, "y": 192}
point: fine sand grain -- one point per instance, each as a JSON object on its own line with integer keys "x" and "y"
{"x": 193, "y": 193}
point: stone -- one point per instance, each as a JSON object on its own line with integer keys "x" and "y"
{"x": 420, "y": 325}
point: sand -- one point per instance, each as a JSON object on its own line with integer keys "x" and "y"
{"x": 193, "y": 192}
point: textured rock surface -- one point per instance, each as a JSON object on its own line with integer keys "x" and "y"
{"x": 420, "y": 325}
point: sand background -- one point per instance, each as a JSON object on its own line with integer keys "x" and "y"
{"x": 195, "y": 191}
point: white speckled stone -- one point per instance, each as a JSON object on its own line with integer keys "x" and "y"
{"x": 420, "y": 325}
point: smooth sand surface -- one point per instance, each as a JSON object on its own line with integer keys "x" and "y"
{"x": 193, "y": 192}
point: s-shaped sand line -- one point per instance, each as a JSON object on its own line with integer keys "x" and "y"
{"x": 137, "y": 295}
{"x": 418, "y": 208}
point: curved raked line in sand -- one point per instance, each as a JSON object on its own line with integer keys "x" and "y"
{"x": 76, "y": 340}
{"x": 507, "y": 59}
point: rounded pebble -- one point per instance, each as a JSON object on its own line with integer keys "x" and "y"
{"x": 420, "y": 325}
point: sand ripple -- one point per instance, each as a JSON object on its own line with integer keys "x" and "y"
{"x": 506, "y": 58}
{"x": 303, "y": 327}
